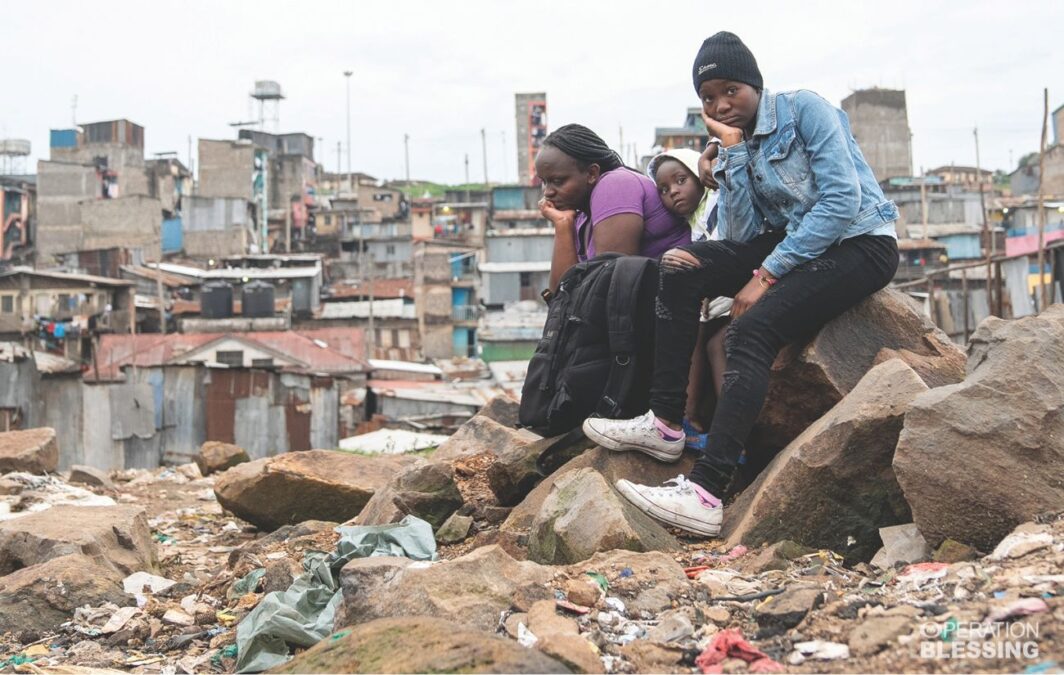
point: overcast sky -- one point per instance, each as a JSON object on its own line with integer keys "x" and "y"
{"x": 441, "y": 71}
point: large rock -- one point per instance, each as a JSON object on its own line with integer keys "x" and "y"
{"x": 310, "y": 485}
{"x": 583, "y": 515}
{"x": 418, "y": 644}
{"x": 215, "y": 456}
{"x": 42, "y": 596}
{"x": 470, "y": 590}
{"x": 31, "y": 450}
{"x": 425, "y": 489}
{"x": 481, "y": 435}
{"x": 808, "y": 381}
{"x": 91, "y": 476}
{"x": 611, "y": 465}
{"x": 835, "y": 481}
{"x": 978, "y": 458}
{"x": 116, "y": 536}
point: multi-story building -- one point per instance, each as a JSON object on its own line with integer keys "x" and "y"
{"x": 691, "y": 135}
{"x": 97, "y": 191}
{"x": 531, "y": 117}
{"x": 18, "y": 215}
{"x": 879, "y": 121}
{"x": 446, "y": 298}
{"x": 60, "y": 312}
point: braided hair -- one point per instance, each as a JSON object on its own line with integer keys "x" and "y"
{"x": 584, "y": 146}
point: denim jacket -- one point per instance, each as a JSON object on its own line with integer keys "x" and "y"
{"x": 801, "y": 171}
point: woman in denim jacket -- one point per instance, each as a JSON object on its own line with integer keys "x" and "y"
{"x": 807, "y": 235}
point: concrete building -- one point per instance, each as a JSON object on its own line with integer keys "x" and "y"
{"x": 691, "y": 135}
{"x": 446, "y": 299}
{"x": 60, "y": 312}
{"x": 97, "y": 191}
{"x": 879, "y": 121}
{"x": 18, "y": 218}
{"x": 517, "y": 248}
{"x": 530, "y": 116}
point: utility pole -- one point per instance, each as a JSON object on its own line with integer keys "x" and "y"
{"x": 987, "y": 236}
{"x": 505, "y": 169}
{"x": 347, "y": 77}
{"x": 467, "y": 169}
{"x": 74, "y": 111}
{"x": 372, "y": 333}
{"x": 923, "y": 201}
{"x": 484, "y": 148}
{"x": 406, "y": 153}
{"x": 1043, "y": 300}
{"x": 620, "y": 134}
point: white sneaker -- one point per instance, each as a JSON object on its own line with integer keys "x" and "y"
{"x": 677, "y": 504}
{"x": 638, "y": 433}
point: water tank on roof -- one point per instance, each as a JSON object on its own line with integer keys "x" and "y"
{"x": 267, "y": 90}
{"x": 257, "y": 300}
{"x": 216, "y": 300}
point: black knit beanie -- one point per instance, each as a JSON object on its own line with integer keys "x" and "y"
{"x": 724, "y": 57}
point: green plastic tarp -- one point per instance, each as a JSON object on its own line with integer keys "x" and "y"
{"x": 303, "y": 615}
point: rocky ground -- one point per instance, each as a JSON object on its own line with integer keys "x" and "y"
{"x": 914, "y": 522}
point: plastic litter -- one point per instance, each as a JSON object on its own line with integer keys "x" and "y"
{"x": 1043, "y": 667}
{"x": 1024, "y": 607}
{"x": 303, "y": 615}
{"x": 820, "y": 650}
{"x": 525, "y": 637}
{"x": 139, "y": 582}
{"x": 601, "y": 580}
{"x": 248, "y": 583}
{"x": 731, "y": 644}
{"x": 616, "y": 604}
{"x": 919, "y": 574}
{"x": 1021, "y": 543}
{"x": 119, "y": 619}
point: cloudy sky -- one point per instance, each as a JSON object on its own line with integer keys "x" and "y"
{"x": 441, "y": 71}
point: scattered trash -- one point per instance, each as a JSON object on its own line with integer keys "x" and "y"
{"x": 525, "y": 637}
{"x": 616, "y": 604}
{"x": 601, "y": 580}
{"x": 119, "y": 619}
{"x": 141, "y": 582}
{"x": 1024, "y": 607}
{"x": 303, "y": 614}
{"x": 919, "y": 574}
{"x": 819, "y": 650}
{"x": 572, "y": 607}
{"x": 731, "y": 644}
{"x": 249, "y": 583}
{"x": 1042, "y": 667}
{"x": 1021, "y": 542}
{"x": 626, "y": 572}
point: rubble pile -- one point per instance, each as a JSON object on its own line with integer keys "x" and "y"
{"x": 915, "y": 524}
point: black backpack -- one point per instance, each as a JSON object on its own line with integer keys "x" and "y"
{"x": 596, "y": 354}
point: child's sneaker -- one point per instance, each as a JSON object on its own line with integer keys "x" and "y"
{"x": 640, "y": 433}
{"x": 681, "y": 504}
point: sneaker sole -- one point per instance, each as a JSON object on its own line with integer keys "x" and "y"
{"x": 668, "y": 517}
{"x": 611, "y": 444}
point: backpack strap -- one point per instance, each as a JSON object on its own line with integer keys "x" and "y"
{"x": 621, "y": 304}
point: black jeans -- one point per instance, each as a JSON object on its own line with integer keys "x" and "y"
{"x": 794, "y": 309}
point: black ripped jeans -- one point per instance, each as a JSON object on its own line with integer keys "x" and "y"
{"x": 794, "y": 309}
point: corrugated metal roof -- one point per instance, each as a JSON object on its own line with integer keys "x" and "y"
{"x": 523, "y": 266}
{"x": 334, "y": 350}
{"x": 405, "y": 366}
{"x": 382, "y": 288}
{"x": 66, "y": 276}
{"x": 241, "y": 272}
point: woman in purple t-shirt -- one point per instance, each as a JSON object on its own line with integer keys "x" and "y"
{"x": 598, "y": 205}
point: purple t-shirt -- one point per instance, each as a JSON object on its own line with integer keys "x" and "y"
{"x": 625, "y": 191}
